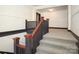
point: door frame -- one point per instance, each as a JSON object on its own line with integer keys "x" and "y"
{"x": 38, "y": 17}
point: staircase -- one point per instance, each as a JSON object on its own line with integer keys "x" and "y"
{"x": 58, "y": 41}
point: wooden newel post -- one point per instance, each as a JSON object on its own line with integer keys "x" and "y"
{"x": 28, "y": 43}
{"x": 16, "y": 42}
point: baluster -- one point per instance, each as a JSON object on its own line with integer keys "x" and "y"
{"x": 16, "y": 42}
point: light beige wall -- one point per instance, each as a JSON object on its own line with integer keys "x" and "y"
{"x": 75, "y": 19}
{"x": 12, "y": 17}
{"x": 58, "y": 17}
{"x": 69, "y": 17}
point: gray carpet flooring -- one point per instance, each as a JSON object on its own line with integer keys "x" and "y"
{"x": 58, "y": 41}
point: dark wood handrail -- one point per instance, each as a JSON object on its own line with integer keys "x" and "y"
{"x": 35, "y": 30}
{"x": 17, "y": 44}
{"x": 32, "y": 40}
{"x": 20, "y": 45}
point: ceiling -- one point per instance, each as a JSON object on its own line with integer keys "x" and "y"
{"x": 54, "y": 8}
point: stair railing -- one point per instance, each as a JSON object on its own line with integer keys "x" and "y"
{"x": 18, "y": 48}
{"x": 32, "y": 40}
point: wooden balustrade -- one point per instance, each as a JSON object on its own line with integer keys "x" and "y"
{"x": 36, "y": 36}
{"x": 32, "y": 40}
{"x": 18, "y": 48}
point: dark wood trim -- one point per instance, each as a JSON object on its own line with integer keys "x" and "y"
{"x": 56, "y": 28}
{"x": 38, "y": 17}
{"x": 77, "y": 37}
{"x": 3, "y": 52}
{"x": 11, "y": 32}
{"x": 38, "y": 14}
{"x": 14, "y": 32}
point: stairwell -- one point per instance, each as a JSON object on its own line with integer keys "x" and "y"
{"x": 58, "y": 41}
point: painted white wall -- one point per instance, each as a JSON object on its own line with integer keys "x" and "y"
{"x": 12, "y": 17}
{"x": 7, "y": 42}
{"x": 36, "y": 8}
{"x": 58, "y": 17}
{"x": 69, "y": 17}
{"x": 75, "y": 19}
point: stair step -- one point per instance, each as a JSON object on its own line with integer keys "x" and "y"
{"x": 61, "y": 44}
{"x": 60, "y": 39}
{"x": 41, "y": 52}
{"x": 66, "y": 37}
{"x": 55, "y": 50}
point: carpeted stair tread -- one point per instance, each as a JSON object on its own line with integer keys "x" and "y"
{"x": 63, "y": 44}
{"x": 55, "y": 50}
{"x": 58, "y": 41}
{"x": 60, "y": 36}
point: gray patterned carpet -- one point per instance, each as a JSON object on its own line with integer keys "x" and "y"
{"x": 58, "y": 41}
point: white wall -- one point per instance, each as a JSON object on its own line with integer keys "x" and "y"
{"x": 7, "y": 42}
{"x": 75, "y": 19}
{"x": 57, "y": 18}
{"x": 69, "y": 17}
{"x": 38, "y": 7}
{"x": 12, "y": 17}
